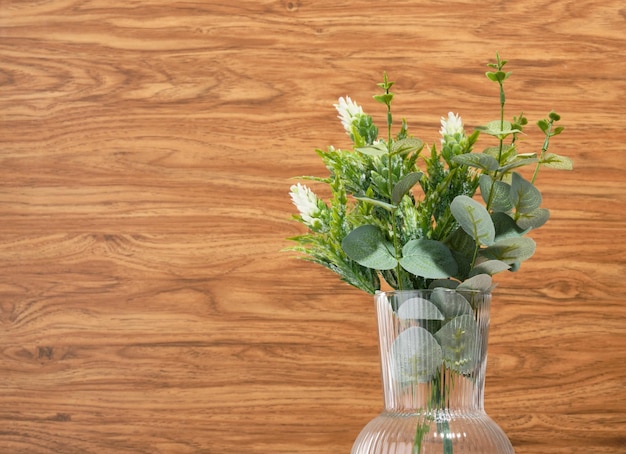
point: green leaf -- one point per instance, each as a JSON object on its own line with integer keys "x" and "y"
{"x": 459, "y": 344}
{"x": 415, "y": 356}
{"x": 419, "y": 309}
{"x": 367, "y": 246}
{"x": 519, "y": 161}
{"x": 406, "y": 146}
{"x": 507, "y": 153}
{"x": 450, "y": 303}
{"x": 474, "y": 219}
{"x": 378, "y": 149}
{"x": 478, "y": 282}
{"x": 498, "y": 76}
{"x": 500, "y": 200}
{"x": 385, "y": 98}
{"x": 403, "y": 186}
{"x": 534, "y": 219}
{"x": 556, "y": 131}
{"x": 498, "y": 129}
{"x": 379, "y": 203}
{"x": 480, "y": 160}
{"x": 510, "y": 250}
{"x": 524, "y": 195}
{"x": 430, "y": 259}
{"x": 444, "y": 283}
{"x": 506, "y": 227}
{"x": 555, "y": 161}
{"x": 489, "y": 267}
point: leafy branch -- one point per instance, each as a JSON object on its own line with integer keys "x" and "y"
{"x": 409, "y": 218}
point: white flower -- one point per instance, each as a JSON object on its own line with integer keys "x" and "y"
{"x": 348, "y": 112}
{"x": 306, "y": 202}
{"x": 453, "y": 125}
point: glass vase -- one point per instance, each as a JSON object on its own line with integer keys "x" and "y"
{"x": 433, "y": 351}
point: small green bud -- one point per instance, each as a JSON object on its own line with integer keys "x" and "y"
{"x": 554, "y": 116}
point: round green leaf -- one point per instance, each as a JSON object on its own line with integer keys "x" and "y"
{"x": 419, "y": 309}
{"x": 367, "y": 246}
{"x": 403, "y": 186}
{"x": 498, "y": 128}
{"x": 500, "y": 200}
{"x": 524, "y": 195}
{"x": 510, "y": 250}
{"x": 378, "y": 149}
{"x": 557, "y": 162}
{"x": 480, "y": 160}
{"x": 407, "y": 145}
{"x": 506, "y": 227}
{"x": 489, "y": 267}
{"x": 450, "y": 303}
{"x": 428, "y": 258}
{"x": 534, "y": 219}
{"x": 415, "y": 356}
{"x": 481, "y": 282}
{"x": 474, "y": 219}
{"x": 459, "y": 343}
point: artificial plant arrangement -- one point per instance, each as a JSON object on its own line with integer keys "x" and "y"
{"x": 409, "y": 216}
{"x": 441, "y": 217}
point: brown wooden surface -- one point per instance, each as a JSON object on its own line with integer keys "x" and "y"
{"x": 146, "y": 150}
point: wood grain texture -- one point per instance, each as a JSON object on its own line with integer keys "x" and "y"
{"x": 146, "y": 151}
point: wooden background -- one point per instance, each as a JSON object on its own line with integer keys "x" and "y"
{"x": 146, "y": 154}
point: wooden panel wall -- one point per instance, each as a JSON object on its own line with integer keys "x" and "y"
{"x": 146, "y": 151}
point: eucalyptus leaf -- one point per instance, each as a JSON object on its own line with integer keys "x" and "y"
{"x": 479, "y": 282}
{"x": 510, "y": 250}
{"x": 474, "y": 219}
{"x": 519, "y": 161}
{"x": 430, "y": 259}
{"x": 415, "y": 356}
{"x": 497, "y": 128}
{"x": 379, "y": 203}
{"x": 506, "y": 227}
{"x": 459, "y": 344}
{"x": 419, "y": 309}
{"x": 524, "y": 195}
{"x": 500, "y": 199}
{"x": 503, "y": 155}
{"x": 378, "y": 149}
{"x": 489, "y": 267}
{"x": 407, "y": 145}
{"x": 461, "y": 242}
{"x": 479, "y": 160}
{"x": 555, "y": 161}
{"x": 403, "y": 186}
{"x": 450, "y": 303}
{"x": 534, "y": 219}
{"x": 444, "y": 283}
{"x": 367, "y": 246}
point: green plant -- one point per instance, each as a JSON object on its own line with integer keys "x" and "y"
{"x": 410, "y": 214}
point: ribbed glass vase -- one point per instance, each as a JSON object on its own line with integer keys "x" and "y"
{"x": 433, "y": 350}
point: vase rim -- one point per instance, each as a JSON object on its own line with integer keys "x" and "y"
{"x": 391, "y": 293}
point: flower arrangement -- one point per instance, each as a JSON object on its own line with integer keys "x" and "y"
{"x": 442, "y": 220}
{"x": 410, "y": 215}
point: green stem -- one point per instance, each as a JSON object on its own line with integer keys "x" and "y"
{"x": 501, "y": 140}
{"x": 546, "y": 144}
{"x": 443, "y": 428}
{"x": 394, "y": 226}
{"x": 438, "y": 403}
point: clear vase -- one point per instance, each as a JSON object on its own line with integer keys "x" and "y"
{"x": 433, "y": 351}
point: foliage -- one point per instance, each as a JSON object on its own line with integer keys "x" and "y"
{"x": 409, "y": 214}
